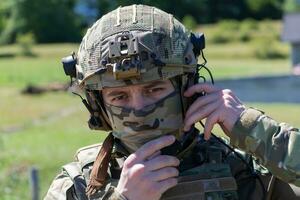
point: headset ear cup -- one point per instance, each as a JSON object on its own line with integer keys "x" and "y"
{"x": 96, "y": 121}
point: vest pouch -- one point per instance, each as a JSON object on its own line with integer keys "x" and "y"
{"x": 206, "y": 182}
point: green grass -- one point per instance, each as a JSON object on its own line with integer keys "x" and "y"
{"x": 42, "y": 138}
{"x": 46, "y": 67}
{"x": 47, "y": 147}
{"x": 237, "y": 67}
{"x": 22, "y": 109}
{"x": 22, "y": 71}
{"x": 46, "y": 130}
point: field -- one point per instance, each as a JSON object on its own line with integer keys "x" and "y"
{"x": 44, "y": 131}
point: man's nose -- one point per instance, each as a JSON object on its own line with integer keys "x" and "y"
{"x": 138, "y": 101}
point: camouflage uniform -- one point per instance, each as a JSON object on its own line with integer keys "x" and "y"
{"x": 276, "y": 145}
{"x": 137, "y": 44}
{"x": 272, "y": 143}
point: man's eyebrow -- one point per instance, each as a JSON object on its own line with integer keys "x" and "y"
{"x": 114, "y": 93}
{"x": 153, "y": 84}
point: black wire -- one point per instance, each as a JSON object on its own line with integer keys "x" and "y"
{"x": 210, "y": 74}
{"x": 78, "y": 95}
{"x": 86, "y": 104}
{"x": 205, "y": 61}
{"x": 253, "y": 173}
{"x": 229, "y": 147}
{"x": 250, "y": 168}
{"x": 202, "y": 77}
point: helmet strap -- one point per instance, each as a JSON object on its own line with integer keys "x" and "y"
{"x": 99, "y": 115}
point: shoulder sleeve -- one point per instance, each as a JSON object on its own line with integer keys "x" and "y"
{"x": 71, "y": 183}
{"x": 61, "y": 188}
{"x": 276, "y": 145}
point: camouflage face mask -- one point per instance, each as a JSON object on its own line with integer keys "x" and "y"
{"x": 136, "y": 127}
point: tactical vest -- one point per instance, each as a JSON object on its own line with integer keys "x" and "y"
{"x": 208, "y": 181}
{"x": 204, "y": 175}
{"x": 208, "y": 172}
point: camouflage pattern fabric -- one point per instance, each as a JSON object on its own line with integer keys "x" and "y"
{"x": 276, "y": 145}
{"x": 214, "y": 179}
{"x": 137, "y": 127}
{"x": 131, "y": 45}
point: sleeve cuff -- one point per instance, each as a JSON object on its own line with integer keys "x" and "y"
{"x": 244, "y": 125}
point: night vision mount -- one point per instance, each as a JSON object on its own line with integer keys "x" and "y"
{"x": 124, "y": 57}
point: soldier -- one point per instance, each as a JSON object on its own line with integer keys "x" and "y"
{"x": 138, "y": 68}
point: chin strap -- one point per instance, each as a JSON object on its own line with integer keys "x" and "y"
{"x": 99, "y": 170}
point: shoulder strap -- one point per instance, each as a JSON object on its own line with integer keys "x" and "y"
{"x": 100, "y": 166}
{"x": 74, "y": 171}
{"x": 87, "y": 155}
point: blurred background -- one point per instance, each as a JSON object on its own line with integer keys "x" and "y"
{"x": 252, "y": 47}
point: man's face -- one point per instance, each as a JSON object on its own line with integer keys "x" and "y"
{"x": 137, "y": 96}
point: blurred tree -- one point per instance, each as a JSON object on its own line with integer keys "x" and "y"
{"x": 206, "y": 11}
{"x": 189, "y": 22}
{"x": 292, "y": 6}
{"x": 224, "y": 9}
{"x": 2, "y": 15}
{"x": 88, "y": 10}
{"x": 266, "y": 8}
{"x": 51, "y": 20}
{"x": 10, "y": 21}
{"x": 64, "y": 20}
{"x": 26, "y": 41}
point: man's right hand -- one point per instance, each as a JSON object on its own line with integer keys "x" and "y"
{"x": 146, "y": 174}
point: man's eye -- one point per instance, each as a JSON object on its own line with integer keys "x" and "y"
{"x": 119, "y": 98}
{"x": 153, "y": 90}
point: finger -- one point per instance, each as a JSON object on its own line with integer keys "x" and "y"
{"x": 154, "y": 155}
{"x": 225, "y": 130}
{"x": 165, "y": 173}
{"x": 209, "y": 124}
{"x": 153, "y": 146}
{"x": 200, "y": 114}
{"x": 161, "y": 162}
{"x": 201, "y": 87}
{"x": 230, "y": 94}
{"x": 202, "y": 101}
{"x": 166, "y": 184}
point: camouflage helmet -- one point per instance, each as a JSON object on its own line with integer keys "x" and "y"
{"x": 131, "y": 45}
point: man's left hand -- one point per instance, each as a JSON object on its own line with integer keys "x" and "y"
{"x": 218, "y": 106}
